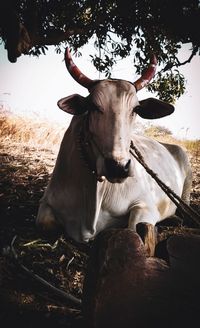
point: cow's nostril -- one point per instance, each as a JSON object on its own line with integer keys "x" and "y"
{"x": 111, "y": 164}
{"x": 126, "y": 167}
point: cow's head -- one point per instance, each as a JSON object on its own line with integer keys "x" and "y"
{"x": 112, "y": 107}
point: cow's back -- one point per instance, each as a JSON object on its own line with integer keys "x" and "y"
{"x": 171, "y": 164}
{"x": 182, "y": 159}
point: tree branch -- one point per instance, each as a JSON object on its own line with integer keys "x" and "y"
{"x": 55, "y": 36}
{"x": 194, "y": 51}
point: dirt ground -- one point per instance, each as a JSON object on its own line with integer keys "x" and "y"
{"x": 25, "y": 172}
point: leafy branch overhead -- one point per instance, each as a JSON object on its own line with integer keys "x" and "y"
{"x": 117, "y": 27}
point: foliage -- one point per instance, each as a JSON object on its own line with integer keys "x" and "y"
{"x": 158, "y": 26}
{"x": 168, "y": 85}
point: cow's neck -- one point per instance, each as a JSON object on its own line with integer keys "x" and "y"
{"x": 85, "y": 147}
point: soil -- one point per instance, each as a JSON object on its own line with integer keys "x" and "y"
{"x": 25, "y": 172}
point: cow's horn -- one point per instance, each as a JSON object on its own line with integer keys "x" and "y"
{"x": 147, "y": 75}
{"x": 75, "y": 72}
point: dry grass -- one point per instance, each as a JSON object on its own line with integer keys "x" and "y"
{"x": 162, "y": 134}
{"x": 192, "y": 146}
{"x": 30, "y": 132}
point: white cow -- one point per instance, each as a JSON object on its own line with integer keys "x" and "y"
{"x": 96, "y": 182}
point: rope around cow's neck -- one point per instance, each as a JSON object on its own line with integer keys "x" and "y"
{"x": 181, "y": 205}
{"x": 184, "y": 208}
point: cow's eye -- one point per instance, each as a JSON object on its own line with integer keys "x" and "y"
{"x": 96, "y": 108}
{"x": 136, "y": 109}
{"x": 92, "y": 107}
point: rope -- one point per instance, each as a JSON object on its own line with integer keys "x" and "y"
{"x": 181, "y": 205}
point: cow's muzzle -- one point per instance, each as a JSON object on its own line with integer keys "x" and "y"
{"x": 116, "y": 170}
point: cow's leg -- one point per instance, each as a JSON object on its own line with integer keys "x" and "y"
{"x": 46, "y": 220}
{"x": 143, "y": 222}
{"x": 142, "y": 213}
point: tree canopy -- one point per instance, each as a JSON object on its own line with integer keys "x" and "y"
{"x": 149, "y": 26}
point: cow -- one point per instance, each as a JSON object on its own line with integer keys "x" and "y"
{"x": 97, "y": 183}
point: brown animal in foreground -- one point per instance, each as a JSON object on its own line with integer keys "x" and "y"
{"x": 124, "y": 288}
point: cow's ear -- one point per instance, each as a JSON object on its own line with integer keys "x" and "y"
{"x": 74, "y": 104}
{"x": 152, "y": 108}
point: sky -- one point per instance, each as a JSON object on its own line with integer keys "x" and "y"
{"x": 32, "y": 86}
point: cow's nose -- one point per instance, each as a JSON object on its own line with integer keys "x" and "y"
{"x": 117, "y": 169}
